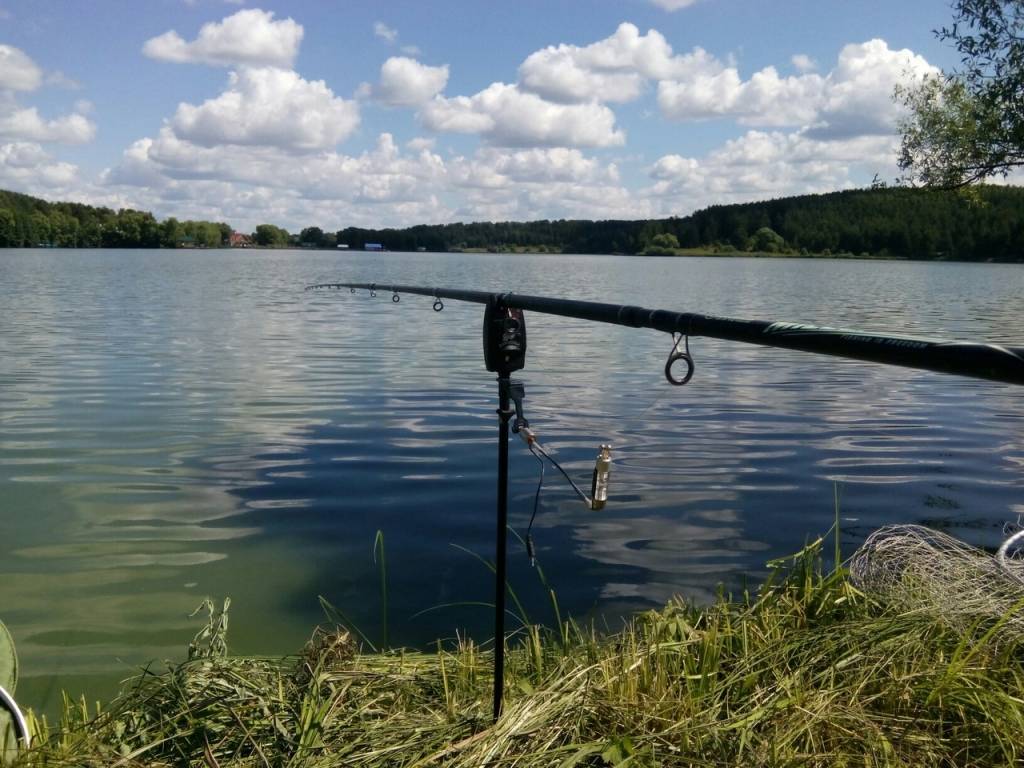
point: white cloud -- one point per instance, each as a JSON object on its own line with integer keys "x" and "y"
{"x": 504, "y": 115}
{"x": 803, "y": 63}
{"x": 673, "y": 5}
{"x": 675, "y": 168}
{"x": 406, "y": 82}
{"x": 764, "y": 99}
{"x": 270, "y": 107}
{"x": 136, "y": 168}
{"x": 60, "y": 80}
{"x": 384, "y": 176}
{"x": 855, "y": 98}
{"x": 384, "y": 32}
{"x": 613, "y": 69}
{"x": 552, "y": 200}
{"x": 385, "y": 186}
{"x": 27, "y": 166}
{"x": 761, "y": 164}
{"x": 498, "y": 184}
{"x": 267, "y": 147}
{"x": 420, "y": 143}
{"x": 17, "y": 71}
{"x": 249, "y": 36}
{"x": 27, "y": 125}
{"x": 383, "y": 173}
{"x": 390, "y": 36}
{"x": 493, "y": 168}
{"x": 858, "y": 95}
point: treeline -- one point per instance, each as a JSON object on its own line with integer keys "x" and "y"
{"x": 984, "y": 223}
{"x": 568, "y": 236}
{"x": 28, "y": 222}
{"x": 979, "y": 224}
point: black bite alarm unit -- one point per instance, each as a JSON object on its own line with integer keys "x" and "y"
{"x": 504, "y": 339}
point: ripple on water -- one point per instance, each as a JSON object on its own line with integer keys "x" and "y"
{"x": 176, "y": 425}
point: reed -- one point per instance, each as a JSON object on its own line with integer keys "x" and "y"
{"x": 806, "y": 671}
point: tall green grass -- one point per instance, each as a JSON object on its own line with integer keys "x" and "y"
{"x": 807, "y": 671}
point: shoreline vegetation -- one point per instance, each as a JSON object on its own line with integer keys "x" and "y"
{"x": 982, "y": 223}
{"x": 808, "y": 671}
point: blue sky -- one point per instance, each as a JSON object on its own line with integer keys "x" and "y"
{"x": 374, "y": 114}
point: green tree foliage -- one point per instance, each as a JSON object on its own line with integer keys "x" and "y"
{"x": 8, "y": 229}
{"x": 63, "y": 229}
{"x": 201, "y": 234}
{"x": 968, "y": 125}
{"x": 40, "y": 228}
{"x": 171, "y": 233}
{"x": 131, "y": 229}
{"x": 268, "y": 234}
{"x": 312, "y": 236}
{"x": 891, "y": 222}
{"x": 28, "y": 222}
{"x": 767, "y": 240}
{"x": 662, "y": 244}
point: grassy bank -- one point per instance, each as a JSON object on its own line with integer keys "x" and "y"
{"x": 808, "y": 671}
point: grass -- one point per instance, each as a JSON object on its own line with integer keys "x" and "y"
{"x": 806, "y": 672}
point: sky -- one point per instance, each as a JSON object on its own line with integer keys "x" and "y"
{"x": 342, "y": 113}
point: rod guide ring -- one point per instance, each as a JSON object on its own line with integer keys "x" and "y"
{"x": 675, "y": 356}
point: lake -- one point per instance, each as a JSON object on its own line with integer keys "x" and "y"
{"x": 175, "y": 425}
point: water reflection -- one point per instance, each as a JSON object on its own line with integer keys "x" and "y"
{"x": 176, "y": 425}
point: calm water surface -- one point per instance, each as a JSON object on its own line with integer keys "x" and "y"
{"x": 176, "y": 425}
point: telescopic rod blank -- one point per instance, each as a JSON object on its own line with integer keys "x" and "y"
{"x": 976, "y": 360}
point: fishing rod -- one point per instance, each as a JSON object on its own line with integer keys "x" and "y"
{"x": 504, "y": 343}
{"x": 976, "y": 360}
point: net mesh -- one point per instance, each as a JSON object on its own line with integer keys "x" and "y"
{"x": 914, "y": 568}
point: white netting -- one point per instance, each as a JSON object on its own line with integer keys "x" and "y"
{"x": 919, "y": 569}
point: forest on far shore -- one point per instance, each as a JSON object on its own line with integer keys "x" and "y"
{"x": 983, "y": 223}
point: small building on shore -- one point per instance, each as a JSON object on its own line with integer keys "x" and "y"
{"x": 238, "y": 240}
{"x": 373, "y": 247}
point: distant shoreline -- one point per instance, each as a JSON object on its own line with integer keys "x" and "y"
{"x": 681, "y": 253}
{"x": 982, "y": 224}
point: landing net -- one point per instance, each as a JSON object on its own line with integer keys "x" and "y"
{"x": 914, "y": 568}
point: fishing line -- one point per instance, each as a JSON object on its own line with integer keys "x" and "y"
{"x": 504, "y": 348}
{"x": 530, "y": 550}
{"x": 599, "y": 496}
{"x": 558, "y": 466}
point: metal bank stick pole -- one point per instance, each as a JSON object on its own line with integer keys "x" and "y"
{"x": 504, "y": 336}
{"x": 504, "y": 340}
